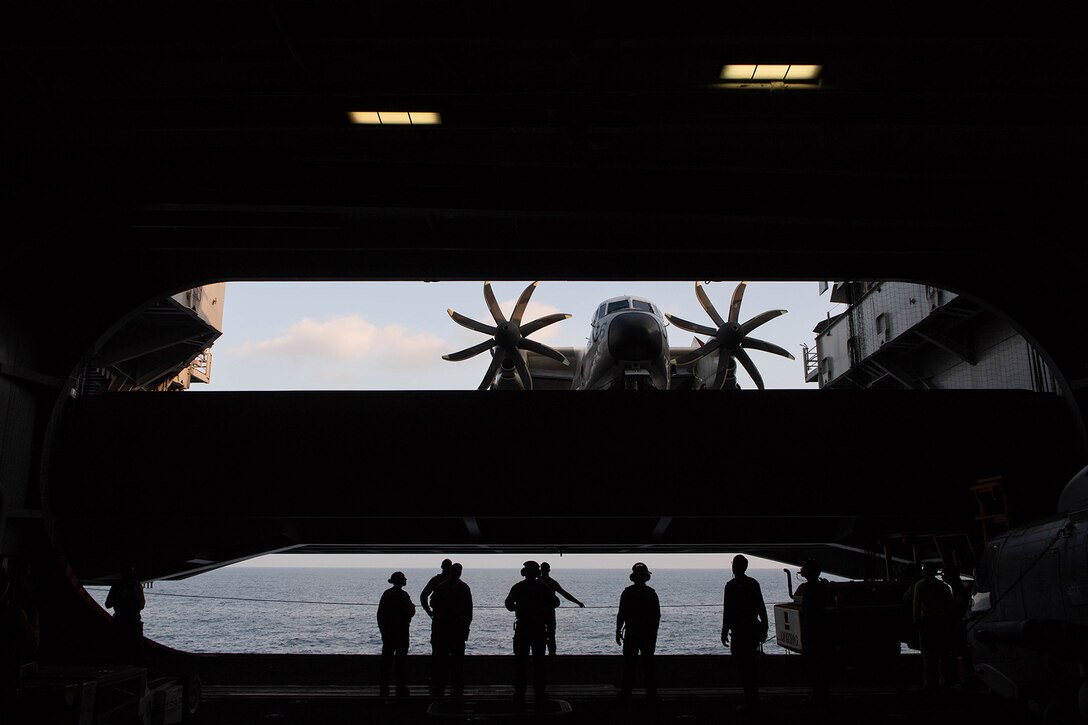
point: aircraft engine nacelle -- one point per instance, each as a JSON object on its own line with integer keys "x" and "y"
{"x": 1028, "y": 619}
{"x": 1065, "y": 640}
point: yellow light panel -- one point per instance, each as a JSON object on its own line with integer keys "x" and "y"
{"x": 396, "y": 118}
{"x": 364, "y": 117}
{"x": 770, "y": 73}
{"x": 421, "y": 118}
{"x": 738, "y": 72}
{"x": 803, "y": 73}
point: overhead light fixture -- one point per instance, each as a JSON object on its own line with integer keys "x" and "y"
{"x": 395, "y": 118}
{"x": 754, "y": 75}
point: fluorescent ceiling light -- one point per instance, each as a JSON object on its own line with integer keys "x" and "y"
{"x": 420, "y": 118}
{"x": 766, "y": 74}
{"x": 803, "y": 73}
{"x": 396, "y": 118}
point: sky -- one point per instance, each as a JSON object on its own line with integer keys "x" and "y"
{"x": 392, "y": 335}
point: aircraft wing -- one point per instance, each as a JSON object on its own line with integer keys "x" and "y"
{"x": 548, "y": 374}
{"x": 695, "y": 376}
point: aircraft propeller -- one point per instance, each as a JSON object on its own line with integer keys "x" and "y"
{"x": 509, "y": 337}
{"x": 730, "y": 338}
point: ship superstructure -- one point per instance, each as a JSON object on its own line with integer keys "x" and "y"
{"x": 164, "y": 346}
{"x": 905, "y": 335}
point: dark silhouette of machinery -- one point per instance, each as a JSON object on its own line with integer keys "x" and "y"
{"x": 1028, "y": 620}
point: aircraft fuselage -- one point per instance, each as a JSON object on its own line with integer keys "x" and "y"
{"x": 628, "y": 347}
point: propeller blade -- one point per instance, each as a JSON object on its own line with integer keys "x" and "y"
{"x": 734, "y": 305}
{"x": 471, "y": 323}
{"x": 759, "y": 320}
{"x": 690, "y": 357}
{"x": 493, "y": 304}
{"x": 489, "y": 376}
{"x": 523, "y": 301}
{"x": 754, "y": 344}
{"x": 523, "y": 371}
{"x": 537, "y": 324}
{"x": 708, "y": 305}
{"x": 539, "y": 349}
{"x": 750, "y": 367}
{"x": 691, "y": 326}
{"x": 469, "y": 351}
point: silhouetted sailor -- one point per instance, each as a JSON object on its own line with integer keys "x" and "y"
{"x": 912, "y": 573}
{"x": 546, "y": 578}
{"x": 126, "y": 599}
{"x": 451, "y": 617}
{"x": 395, "y": 612}
{"x": 744, "y": 616}
{"x": 815, "y": 634}
{"x": 18, "y": 644}
{"x": 532, "y": 603}
{"x": 932, "y": 609}
{"x": 434, "y": 581}
{"x": 636, "y": 630}
{"x": 961, "y": 600}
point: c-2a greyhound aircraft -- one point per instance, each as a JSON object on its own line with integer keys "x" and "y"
{"x": 628, "y": 348}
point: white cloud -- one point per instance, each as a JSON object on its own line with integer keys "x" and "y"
{"x": 353, "y": 339}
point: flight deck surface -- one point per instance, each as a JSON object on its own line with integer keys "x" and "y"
{"x": 244, "y": 689}
{"x": 595, "y": 704}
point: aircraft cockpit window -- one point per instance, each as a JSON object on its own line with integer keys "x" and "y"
{"x": 616, "y": 306}
{"x": 601, "y": 312}
{"x": 644, "y": 306}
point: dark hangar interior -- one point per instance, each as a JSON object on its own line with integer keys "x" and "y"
{"x": 151, "y": 148}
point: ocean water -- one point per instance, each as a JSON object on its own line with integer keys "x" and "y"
{"x": 332, "y": 611}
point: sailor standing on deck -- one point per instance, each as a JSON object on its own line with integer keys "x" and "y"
{"x": 126, "y": 599}
{"x": 395, "y": 612}
{"x": 546, "y": 579}
{"x": 815, "y": 634}
{"x": 434, "y": 581}
{"x": 636, "y": 630}
{"x": 744, "y": 615}
{"x": 531, "y": 601}
{"x": 451, "y": 617}
{"x": 932, "y": 607}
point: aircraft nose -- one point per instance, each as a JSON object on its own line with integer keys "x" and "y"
{"x": 634, "y": 336}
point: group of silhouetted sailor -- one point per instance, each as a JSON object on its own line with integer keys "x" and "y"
{"x": 533, "y": 600}
{"x": 934, "y": 610}
{"x": 447, "y": 600}
{"x": 533, "y": 603}
{"x": 745, "y": 627}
